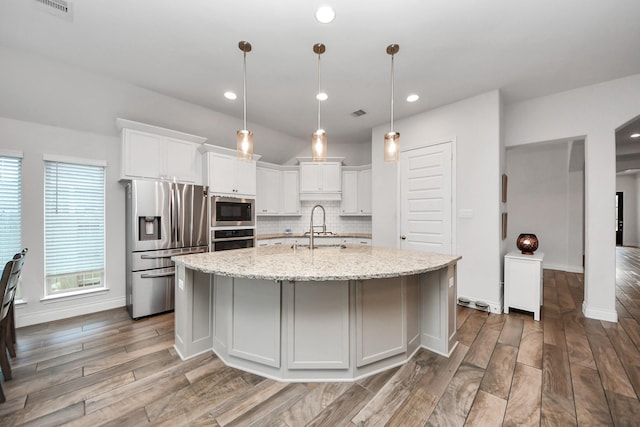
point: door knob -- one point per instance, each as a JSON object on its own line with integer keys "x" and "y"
{"x": 403, "y": 237}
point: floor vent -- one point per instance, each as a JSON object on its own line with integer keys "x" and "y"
{"x": 59, "y": 8}
{"x": 358, "y": 113}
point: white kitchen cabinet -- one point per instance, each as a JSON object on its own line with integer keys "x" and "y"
{"x": 154, "y": 154}
{"x": 356, "y": 192}
{"x": 268, "y": 191}
{"x": 364, "y": 191}
{"x": 228, "y": 175}
{"x": 290, "y": 192}
{"x": 523, "y": 282}
{"x": 271, "y": 242}
{"x": 320, "y": 180}
{"x": 349, "y": 202}
{"x": 277, "y": 190}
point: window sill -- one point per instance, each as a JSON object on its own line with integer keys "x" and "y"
{"x": 73, "y": 295}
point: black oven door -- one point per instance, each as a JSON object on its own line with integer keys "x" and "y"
{"x": 225, "y": 245}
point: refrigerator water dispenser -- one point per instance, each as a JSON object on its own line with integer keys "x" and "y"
{"x": 149, "y": 228}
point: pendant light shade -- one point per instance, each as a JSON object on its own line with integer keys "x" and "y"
{"x": 392, "y": 138}
{"x": 244, "y": 138}
{"x": 319, "y": 137}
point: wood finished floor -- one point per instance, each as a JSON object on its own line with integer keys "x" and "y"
{"x": 104, "y": 369}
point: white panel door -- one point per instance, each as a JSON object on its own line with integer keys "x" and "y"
{"x": 426, "y": 199}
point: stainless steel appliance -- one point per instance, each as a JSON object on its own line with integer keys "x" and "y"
{"x": 232, "y": 211}
{"x": 163, "y": 219}
{"x": 224, "y": 239}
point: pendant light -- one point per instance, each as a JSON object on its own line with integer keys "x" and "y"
{"x": 319, "y": 137}
{"x": 244, "y": 137}
{"x": 392, "y": 138}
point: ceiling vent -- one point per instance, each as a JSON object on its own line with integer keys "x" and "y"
{"x": 59, "y": 8}
{"x": 358, "y": 113}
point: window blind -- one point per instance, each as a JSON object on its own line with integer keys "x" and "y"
{"x": 10, "y": 207}
{"x": 74, "y": 220}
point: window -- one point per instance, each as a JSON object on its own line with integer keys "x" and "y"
{"x": 74, "y": 226}
{"x": 10, "y": 207}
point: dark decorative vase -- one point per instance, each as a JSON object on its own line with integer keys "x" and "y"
{"x": 527, "y": 243}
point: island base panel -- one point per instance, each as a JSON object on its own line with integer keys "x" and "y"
{"x": 193, "y": 312}
{"x": 315, "y": 331}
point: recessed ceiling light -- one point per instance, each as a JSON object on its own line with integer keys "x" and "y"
{"x": 325, "y": 14}
{"x": 322, "y": 96}
{"x": 635, "y": 135}
{"x": 413, "y": 97}
{"x": 230, "y": 95}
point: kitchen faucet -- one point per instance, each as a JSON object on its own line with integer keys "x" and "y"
{"x": 311, "y": 226}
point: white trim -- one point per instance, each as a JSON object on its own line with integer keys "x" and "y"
{"x": 73, "y": 160}
{"x": 64, "y": 313}
{"x": 157, "y": 130}
{"x": 73, "y": 295}
{"x": 563, "y": 267}
{"x": 11, "y": 153}
{"x": 598, "y": 314}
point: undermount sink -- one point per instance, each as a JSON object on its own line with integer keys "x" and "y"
{"x": 321, "y": 233}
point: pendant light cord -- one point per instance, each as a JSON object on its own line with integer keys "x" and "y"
{"x": 318, "y": 93}
{"x": 392, "y": 79}
{"x": 244, "y": 90}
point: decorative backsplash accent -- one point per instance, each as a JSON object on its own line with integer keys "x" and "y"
{"x": 300, "y": 224}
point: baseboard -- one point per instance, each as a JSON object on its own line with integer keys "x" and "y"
{"x": 57, "y": 313}
{"x": 598, "y": 314}
{"x": 563, "y": 267}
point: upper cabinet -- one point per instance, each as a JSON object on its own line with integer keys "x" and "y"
{"x": 356, "y": 191}
{"x": 268, "y": 191}
{"x": 320, "y": 180}
{"x": 277, "y": 191}
{"x": 230, "y": 176}
{"x": 158, "y": 153}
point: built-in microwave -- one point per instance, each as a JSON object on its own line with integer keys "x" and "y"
{"x": 232, "y": 211}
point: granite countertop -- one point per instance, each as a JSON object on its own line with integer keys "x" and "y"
{"x": 348, "y": 262}
{"x": 317, "y": 236}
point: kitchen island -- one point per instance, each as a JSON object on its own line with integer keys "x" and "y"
{"x": 334, "y": 313}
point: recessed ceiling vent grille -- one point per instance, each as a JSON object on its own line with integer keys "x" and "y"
{"x": 59, "y": 8}
{"x": 358, "y": 113}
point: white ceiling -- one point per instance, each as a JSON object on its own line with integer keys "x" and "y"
{"x": 449, "y": 50}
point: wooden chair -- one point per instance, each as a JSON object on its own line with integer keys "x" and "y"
{"x": 8, "y": 285}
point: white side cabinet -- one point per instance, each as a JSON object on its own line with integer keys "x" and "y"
{"x": 356, "y": 191}
{"x": 268, "y": 191}
{"x": 227, "y": 175}
{"x": 290, "y": 192}
{"x": 158, "y": 153}
{"x": 523, "y": 282}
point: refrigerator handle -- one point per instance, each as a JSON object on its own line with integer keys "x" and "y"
{"x": 179, "y": 214}
{"x": 172, "y": 216}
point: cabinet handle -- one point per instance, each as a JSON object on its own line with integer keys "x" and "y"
{"x": 403, "y": 237}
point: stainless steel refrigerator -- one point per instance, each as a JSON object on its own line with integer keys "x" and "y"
{"x": 163, "y": 219}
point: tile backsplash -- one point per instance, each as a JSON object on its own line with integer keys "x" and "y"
{"x": 300, "y": 224}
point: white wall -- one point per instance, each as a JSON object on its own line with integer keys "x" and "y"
{"x": 593, "y": 112}
{"x": 628, "y": 186}
{"x": 34, "y": 140}
{"x": 474, "y": 124}
{"x": 38, "y": 90}
{"x": 545, "y": 201}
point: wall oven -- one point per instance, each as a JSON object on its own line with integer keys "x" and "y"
{"x": 232, "y": 211}
{"x": 224, "y": 239}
